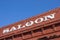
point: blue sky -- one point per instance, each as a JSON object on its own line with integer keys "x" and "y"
{"x": 12, "y": 11}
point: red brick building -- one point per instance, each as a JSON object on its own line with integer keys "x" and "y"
{"x": 44, "y": 26}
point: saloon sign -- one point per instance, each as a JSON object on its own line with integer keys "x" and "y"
{"x": 30, "y": 23}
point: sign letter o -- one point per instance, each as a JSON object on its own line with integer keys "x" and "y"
{"x": 29, "y": 23}
{"x": 39, "y": 20}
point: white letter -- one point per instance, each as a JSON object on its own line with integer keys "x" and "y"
{"x": 19, "y": 26}
{"x": 6, "y": 30}
{"x": 29, "y": 23}
{"x": 39, "y": 20}
{"x": 12, "y": 29}
{"x": 49, "y": 17}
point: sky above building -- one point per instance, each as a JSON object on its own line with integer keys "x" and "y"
{"x": 12, "y": 11}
